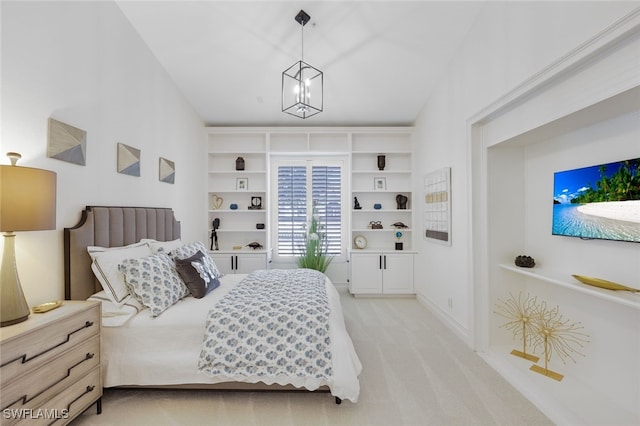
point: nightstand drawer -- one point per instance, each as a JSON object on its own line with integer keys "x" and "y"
{"x": 31, "y": 390}
{"x": 68, "y": 403}
{"x": 39, "y": 346}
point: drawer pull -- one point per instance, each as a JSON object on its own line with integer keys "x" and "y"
{"x": 25, "y": 399}
{"x": 26, "y": 359}
{"x": 89, "y": 389}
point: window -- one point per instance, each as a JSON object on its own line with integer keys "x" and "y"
{"x": 300, "y": 184}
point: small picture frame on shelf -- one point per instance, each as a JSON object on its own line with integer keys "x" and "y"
{"x": 380, "y": 184}
{"x": 242, "y": 184}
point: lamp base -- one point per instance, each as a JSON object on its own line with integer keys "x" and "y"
{"x": 13, "y": 305}
{"x": 15, "y": 321}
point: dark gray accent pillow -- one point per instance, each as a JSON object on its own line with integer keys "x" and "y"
{"x": 198, "y": 278}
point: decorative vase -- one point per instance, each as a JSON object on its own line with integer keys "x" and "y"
{"x": 402, "y": 200}
{"x": 239, "y": 163}
{"x": 381, "y": 162}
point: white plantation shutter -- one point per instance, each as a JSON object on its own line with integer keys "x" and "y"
{"x": 298, "y": 186}
{"x": 326, "y": 193}
{"x": 292, "y": 208}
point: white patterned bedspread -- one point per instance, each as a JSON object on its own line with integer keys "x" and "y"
{"x": 147, "y": 351}
{"x": 273, "y": 327}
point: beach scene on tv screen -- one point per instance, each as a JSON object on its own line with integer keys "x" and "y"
{"x": 601, "y": 201}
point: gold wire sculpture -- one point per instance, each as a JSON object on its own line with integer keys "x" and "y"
{"x": 557, "y": 336}
{"x": 519, "y": 312}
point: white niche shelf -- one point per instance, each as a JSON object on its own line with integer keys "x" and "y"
{"x": 625, "y": 298}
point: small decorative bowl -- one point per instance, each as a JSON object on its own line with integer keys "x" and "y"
{"x": 233, "y": 206}
{"x": 377, "y": 206}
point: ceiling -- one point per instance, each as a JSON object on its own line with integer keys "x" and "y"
{"x": 380, "y": 59}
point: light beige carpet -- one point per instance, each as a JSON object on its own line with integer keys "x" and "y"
{"x": 415, "y": 372}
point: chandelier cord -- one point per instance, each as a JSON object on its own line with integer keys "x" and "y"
{"x": 302, "y": 42}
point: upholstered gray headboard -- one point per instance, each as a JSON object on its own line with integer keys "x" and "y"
{"x": 109, "y": 227}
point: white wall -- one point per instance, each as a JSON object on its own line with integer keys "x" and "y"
{"x": 82, "y": 63}
{"x": 509, "y": 43}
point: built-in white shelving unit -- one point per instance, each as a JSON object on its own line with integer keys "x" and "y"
{"x": 360, "y": 147}
{"x": 378, "y": 267}
{"x": 228, "y": 186}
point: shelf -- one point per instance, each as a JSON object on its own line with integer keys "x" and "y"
{"x": 233, "y": 191}
{"x": 381, "y": 230}
{"x": 380, "y": 251}
{"x": 383, "y": 152}
{"x": 382, "y": 210}
{"x": 381, "y": 172}
{"x": 599, "y": 407}
{"x": 386, "y": 191}
{"x": 563, "y": 280}
{"x": 232, "y": 230}
{"x": 237, "y": 172}
{"x": 245, "y": 210}
{"x": 244, "y": 250}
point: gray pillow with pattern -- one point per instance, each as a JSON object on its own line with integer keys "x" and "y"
{"x": 154, "y": 281}
{"x": 190, "y": 249}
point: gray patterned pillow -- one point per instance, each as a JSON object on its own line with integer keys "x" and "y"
{"x": 154, "y": 281}
{"x": 199, "y": 279}
{"x": 190, "y": 249}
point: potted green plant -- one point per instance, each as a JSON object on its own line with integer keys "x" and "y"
{"x": 314, "y": 252}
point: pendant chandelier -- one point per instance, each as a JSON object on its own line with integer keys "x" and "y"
{"x": 302, "y": 84}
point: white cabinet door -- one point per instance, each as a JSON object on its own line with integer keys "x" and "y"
{"x": 224, "y": 262}
{"x": 397, "y": 275}
{"x": 247, "y": 263}
{"x": 381, "y": 273}
{"x": 366, "y": 273}
{"x": 240, "y": 263}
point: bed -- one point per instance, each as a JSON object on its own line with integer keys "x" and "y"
{"x": 141, "y": 348}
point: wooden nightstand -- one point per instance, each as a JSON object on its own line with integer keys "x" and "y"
{"x": 50, "y": 365}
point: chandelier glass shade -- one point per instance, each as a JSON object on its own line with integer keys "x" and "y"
{"x": 302, "y": 84}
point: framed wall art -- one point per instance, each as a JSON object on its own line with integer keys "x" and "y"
{"x": 242, "y": 184}
{"x": 128, "y": 160}
{"x": 167, "y": 171}
{"x": 380, "y": 184}
{"x": 66, "y": 143}
{"x": 437, "y": 206}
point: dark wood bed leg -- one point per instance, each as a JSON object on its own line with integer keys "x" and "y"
{"x": 338, "y": 401}
{"x": 99, "y": 405}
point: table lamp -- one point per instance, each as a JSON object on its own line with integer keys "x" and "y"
{"x": 27, "y": 203}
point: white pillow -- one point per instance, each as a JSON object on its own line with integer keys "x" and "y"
{"x": 154, "y": 281}
{"x": 105, "y": 267}
{"x": 162, "y": 246}
{"x": 114, "y": 315}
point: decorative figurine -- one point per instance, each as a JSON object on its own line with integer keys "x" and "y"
{"x": 402, "y": 200}
{"x": 356, "y": 204}
{"x": 519, "y": 314}
{"x": 399, "y": 225}
{"x": 556, "y": 335}
{"x": 256, "y": 203}
{"x": 255, "y": 245}
{"x": 214, "y": 234}
{"x": 239, "y": 163}
{"x": 399, "y": 245}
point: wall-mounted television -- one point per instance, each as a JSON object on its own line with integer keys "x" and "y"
{"x": 598, "y": 202}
